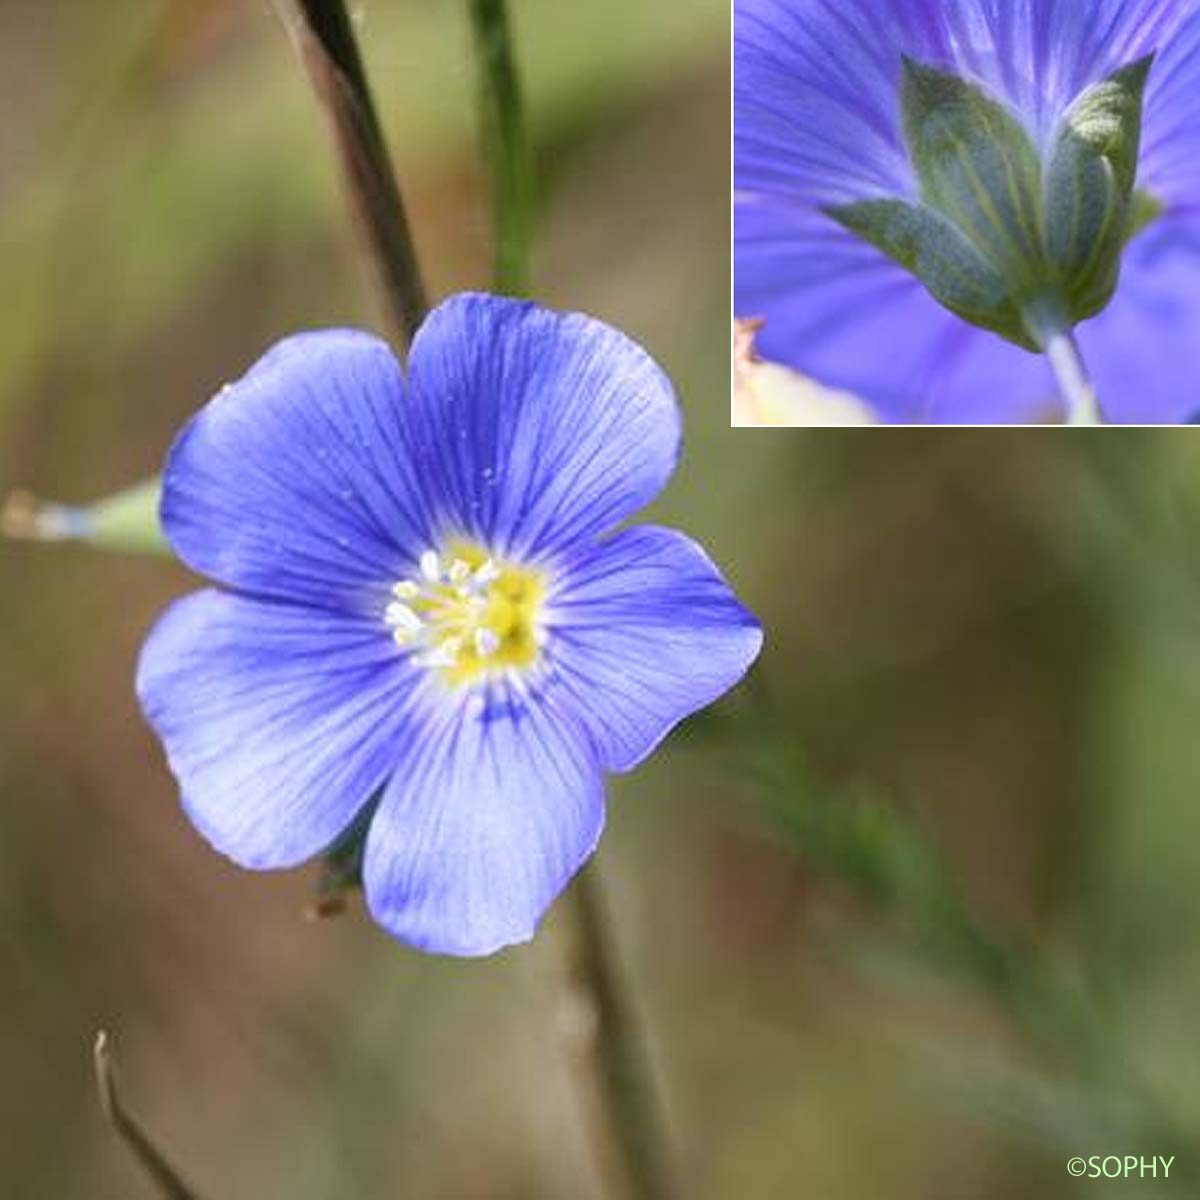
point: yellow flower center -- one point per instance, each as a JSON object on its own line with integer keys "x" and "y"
{"x": 467, "y": 614}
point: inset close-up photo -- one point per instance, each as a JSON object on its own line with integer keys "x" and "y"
{"x": 967, "y": 212}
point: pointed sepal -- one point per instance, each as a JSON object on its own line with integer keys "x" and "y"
{"x": 1092, "y": 208}
{"x": 975, "y": 165}
{"x": 954, "y": 271}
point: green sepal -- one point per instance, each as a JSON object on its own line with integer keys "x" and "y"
{"x": 341, "y": 871}
{"x": 932, "y": 248}
{"x": 1091, "y": 207}
{"x": 1144, "y": 210}
{"x": 976, "y": 165}
{"x": 996, "y": 235}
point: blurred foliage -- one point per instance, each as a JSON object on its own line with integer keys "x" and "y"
{"x": 912, "y": 914}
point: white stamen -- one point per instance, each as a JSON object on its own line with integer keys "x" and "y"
{"x": 443, "y": 655}
{"x": 431, "y": 566}
{"x": 402, "y": 617}
{"x": 441, "y": 615}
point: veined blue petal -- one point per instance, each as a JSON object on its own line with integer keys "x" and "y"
{"x": 536, "y": 428}
{"x": 842, "y": 312}
{"x": 1170, "y": 160}
{"x": 488, "y": 816}
{"x": 1144, "y": 350}
{"x": 279, "y": 721}
{"x": 816, "y": 89}
{"x": 643, "y": 633}
{"x": 293, "y": 483}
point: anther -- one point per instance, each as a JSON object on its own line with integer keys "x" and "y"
{"x": 431, "y": 566}
{"x": 401, "y": 616}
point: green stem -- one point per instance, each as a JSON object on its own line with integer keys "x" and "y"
{"x": 506, "y": 147}
{"x": 628, "y": 1122}
{"x": 324, "y": 37}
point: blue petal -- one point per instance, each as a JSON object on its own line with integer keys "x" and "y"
{"x": 1144, "y": 350}
{"x": 843, "y": 313}
{"x": 815, "y": 100}
{"x": 643, "y": 633}
{"x": 293, "y": 483}
{"x": 484, "y": 823}
{"x": 279, "y": 722}
{"x": 1170, "y": 160}
{"x": 537, "y": 428}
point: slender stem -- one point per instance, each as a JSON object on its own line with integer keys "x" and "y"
{"x": 627, "y": 1116}
{"x": 1073, "y": 380}
{"x": 324, "y": 37}
{"x": 166, "y": 1179}
{"x": 1054, "y": 334}
{"x": 506, "y": 147}
{"x": 628, "y": 1119}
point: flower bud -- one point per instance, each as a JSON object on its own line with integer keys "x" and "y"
{"x": 997, "y": 235}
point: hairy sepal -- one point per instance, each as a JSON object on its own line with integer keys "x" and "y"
{"x": 1092, "y": 208}
{"x": 995, "y": 234}
{"x": 933, "y": 249}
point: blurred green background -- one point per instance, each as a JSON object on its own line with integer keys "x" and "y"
{"x": 912, "y": 915}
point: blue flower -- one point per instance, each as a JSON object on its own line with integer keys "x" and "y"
{"x": 429, "y": 604}
{"x": 822, "y": 126}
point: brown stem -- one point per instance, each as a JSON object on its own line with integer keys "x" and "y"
{"x": 324, "y": 38}
{"x": 166, "y": 1178}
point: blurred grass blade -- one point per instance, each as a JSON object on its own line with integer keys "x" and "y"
{"x": 324, "y": 38}
{"x": 165, "y": 1177}
{"x": 127, "y": 521}
{"x": 506, "y": 147}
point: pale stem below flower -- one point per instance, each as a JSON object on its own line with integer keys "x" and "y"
{"x": 1074, "y": 383}
{"x": 1048, "y": 326}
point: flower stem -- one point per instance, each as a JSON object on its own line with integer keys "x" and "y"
{"x": 324, "y": 37}
{"x": 1057, "y": 339}
{"x": 627, "y": 1117}
{"x": 1073, "y": 381}
{"x": 628, "y": 1123}
{"x": 506, "y": 147}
